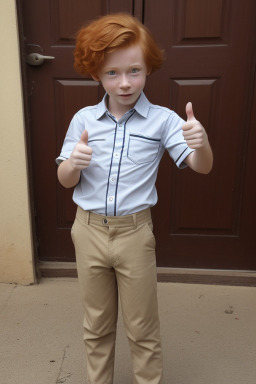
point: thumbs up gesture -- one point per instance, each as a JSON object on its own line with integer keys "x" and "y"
{"x": 82, "y": 154}
{"x": 193, "y": 132}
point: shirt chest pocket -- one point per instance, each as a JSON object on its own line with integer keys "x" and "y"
{"x": 142, "y": 150}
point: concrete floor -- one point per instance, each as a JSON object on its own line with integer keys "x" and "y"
{"x": 208, "y": 334}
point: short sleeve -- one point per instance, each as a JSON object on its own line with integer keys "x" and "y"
{"x": 174, "y": 141}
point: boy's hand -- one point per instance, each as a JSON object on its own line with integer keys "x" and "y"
{"x": 81, "y": 156}
{"x": 193, "y": 131}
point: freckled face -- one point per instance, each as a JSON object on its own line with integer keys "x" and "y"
{"x": 123, "y": 76}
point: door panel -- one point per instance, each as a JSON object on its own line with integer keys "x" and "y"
{"x": 200, "y": 221}
{"x": 55, "y": 92}
{"x": 198, "y": 218}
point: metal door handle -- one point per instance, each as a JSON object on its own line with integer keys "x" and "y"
{"x": 37, "y": 59}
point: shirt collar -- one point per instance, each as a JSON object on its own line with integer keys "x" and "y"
{"x": 142, "y": 106}
{"x": 102, "y": 107}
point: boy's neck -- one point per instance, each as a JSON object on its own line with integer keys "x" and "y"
{"x": 117, "y": 111}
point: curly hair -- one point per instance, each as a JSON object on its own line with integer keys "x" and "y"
{"x": 109, "y": 33}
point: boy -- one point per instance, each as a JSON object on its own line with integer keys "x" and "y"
{"x": 111, "y": 155}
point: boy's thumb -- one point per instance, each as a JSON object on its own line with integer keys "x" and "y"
{"x": 190, "y": 112}
{"x": 84, "y": 137}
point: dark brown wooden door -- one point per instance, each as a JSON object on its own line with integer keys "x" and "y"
{"x": 200, "y": 221}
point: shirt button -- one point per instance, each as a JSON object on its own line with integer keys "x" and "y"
{"x": 105, "y": 221}
{"x": 111, "y": 199}
{"x": 116, "y": 155}
{"x": 113, "y": 179}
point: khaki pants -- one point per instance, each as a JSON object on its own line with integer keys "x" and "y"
{"x": 117, "y": 254}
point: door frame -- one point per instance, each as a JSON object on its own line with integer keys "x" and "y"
{"x": 23, "y": 64}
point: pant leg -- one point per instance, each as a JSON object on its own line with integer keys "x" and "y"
{"x": 99, "y": 296}
{"x": 137, "y": 283}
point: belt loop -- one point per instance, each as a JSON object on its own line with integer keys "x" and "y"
{"x": 134, "y": 215}
{"x": 88, "y": 217}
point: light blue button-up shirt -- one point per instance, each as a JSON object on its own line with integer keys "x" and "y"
{"x": 121, "y": 177}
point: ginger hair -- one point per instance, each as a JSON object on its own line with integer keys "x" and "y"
{"x": 108, "y": 34}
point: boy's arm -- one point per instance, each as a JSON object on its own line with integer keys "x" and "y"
{"x": 201, "y": 159}
{"x": 69, "y": 170}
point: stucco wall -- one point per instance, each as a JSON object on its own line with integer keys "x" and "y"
{"x": 16, "y": 252}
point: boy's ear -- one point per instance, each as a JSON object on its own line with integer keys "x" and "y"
{"x": 149, "y": 71}
{"x": 95, "y": 77}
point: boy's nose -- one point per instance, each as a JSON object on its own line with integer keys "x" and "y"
{"x": 124, "y": 83}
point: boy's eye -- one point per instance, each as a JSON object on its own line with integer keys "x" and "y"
{"x": 111, "y": 73}
{"x": 135, "y": 70}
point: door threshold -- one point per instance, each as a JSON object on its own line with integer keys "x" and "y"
{"x": 166, "y": 275}
{"x": 57, "y": 269}
{"x": 207, "y": 276}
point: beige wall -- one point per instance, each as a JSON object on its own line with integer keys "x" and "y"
{"x": 16, "y": 252}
